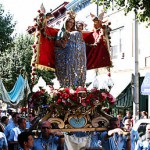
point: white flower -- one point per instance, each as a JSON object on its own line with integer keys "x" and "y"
{"x": 48, "y": 89}
{"x": 35, "y": 88}
{"x": 51, "y": 95}
{"x": 72, "y": 91}
{"x": 41, "y": 83}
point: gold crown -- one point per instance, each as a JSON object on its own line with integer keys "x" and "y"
{"x": 71, "y": 14}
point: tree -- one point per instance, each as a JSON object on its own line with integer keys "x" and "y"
{"x": 17, "y": 60}
{"x": 141, "y": 7}
{"x": 6, "y": 30}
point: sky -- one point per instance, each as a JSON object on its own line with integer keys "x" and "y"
{"x": 24, "y": 11}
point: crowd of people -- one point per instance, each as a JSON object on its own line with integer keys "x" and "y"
{"x": 16, "y": 135}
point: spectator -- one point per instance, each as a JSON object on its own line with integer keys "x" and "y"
{"x": 128, "y": 116}
{"x": 25, "y": 140}
{"x": 144, "y": 142}
{"x": 3, "y": 142}
{"x": 144, "y": 115}
{"x": 142, "y": 127}
{"x": 119, "y": 116}
{"x": 46, "y": 140}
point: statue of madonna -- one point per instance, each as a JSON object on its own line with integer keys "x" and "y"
{"x": 70, "y": 54}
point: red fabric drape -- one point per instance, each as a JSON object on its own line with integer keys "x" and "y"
{"x": 97, "y": 56}
{"x": 46, "y": 56}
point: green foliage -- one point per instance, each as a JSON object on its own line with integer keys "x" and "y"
{"x": 46, "y": 75}
{"x": 141, "y": 7}
{"x": 23, "y": 46}
{"x": 6, "y": 30}
{"x": 16, "y": 60}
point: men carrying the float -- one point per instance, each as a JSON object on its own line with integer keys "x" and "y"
{"x": 46, "y": 140}
{"x": 134, "y": 136}
{"x": 13, "y": 138}
{"x": 31, "y": 117}
{"x": 114, "y": 138}
{"x": 11, "y": 125}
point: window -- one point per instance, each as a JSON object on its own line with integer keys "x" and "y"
{"x": 117, "y": 43}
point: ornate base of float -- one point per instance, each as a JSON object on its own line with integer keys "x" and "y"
{"x": 78, "y": 121}
{"x": 74, "y": 110}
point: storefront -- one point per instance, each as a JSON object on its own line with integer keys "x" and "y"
{"x": 124, "y": 101}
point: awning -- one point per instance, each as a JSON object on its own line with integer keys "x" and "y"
{"x": 122, "y": 89}
{"x": 125, "y": 99}
{"x": 121, "y": 81}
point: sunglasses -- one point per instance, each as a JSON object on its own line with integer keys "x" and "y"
{"x": 128, "y": 124}
{"x": 46, "y": 127}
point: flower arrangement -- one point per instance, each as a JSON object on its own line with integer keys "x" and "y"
{"x": 67, "y": 98}
{"x": 82, "y": 97}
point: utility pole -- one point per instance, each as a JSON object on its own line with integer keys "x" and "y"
{"x": 97, "y": 9}
{"x": 136, "y": 71}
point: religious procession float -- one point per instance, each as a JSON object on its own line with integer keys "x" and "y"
{"x": 72, "y": 107}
